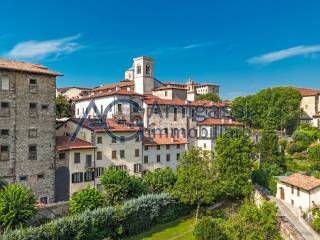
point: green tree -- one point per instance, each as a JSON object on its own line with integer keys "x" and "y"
{"x": 17, "y": 205}
{"x": 196, "y": 179}
{"x": 208, "y": 228}
{"x": 209, "y": 96}
{"x": 269, "y": 148}
{"x": 314, "y": 156}
{"x": 233, "y": 162}
{"x": 281, "y": 104}
{"x": 63, "y": 107}
{"x": 119, "y": 186}
{"x": 161, "y": 180}
{"x": 253, "y": 223}
{"x": 88, "y": 198}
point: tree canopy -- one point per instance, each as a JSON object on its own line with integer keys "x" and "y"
{"x": 63, "y": 107}
{"x": 281, "y": 104}
{"x": 234, "y": 163}
{"x": 209, "y": 96}
{"x": 161, "y": 180}
{"x": 196, "y": 179}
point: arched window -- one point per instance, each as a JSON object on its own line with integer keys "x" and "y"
{"x": 148, "y": 69}
{"x": 138, "y": 69}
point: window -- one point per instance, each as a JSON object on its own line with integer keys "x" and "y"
{"x": 121, "y": 167}
{"x": 292, "y": 190}
{"x": 165, "y": 93}
{"x": 43, "y": 200}
{"x": 88, "y": 176}
{"x": 167, "y": 111}
{"x": 122, "y": 154}
{"x": 4, "y": 109}
{"x": 40, "y": 176}
{"x": 178, "y": 146}
{"x": 298, "y": 191}
{"x": 168, "y": 157}
{"x": 33, "y": 133}
{"x": 167, "y": 146}
{"x": 32, "y": 109}
{"x": 178, "y": 156}
{"x": 78, "y": 111}
{"x": 136, "y": 152}
{"x": 183, "y": 112}
{"x": 99, "y": 140}
{"x": 122, "y": 139}
{"x": 33, "y": 152}
{"x": 23, "y": 178}
{"x": 114, "y": 139}
{"x": 88, "y": 161}
{"x": 33, "y": 81}
{"x": 146, "y": 148}
{"x": 99, "y": 171}
{"x": 137, "y": 168}
{"x": 138, "y": 69}
{"x": 33, "y": 105}
{"x": 137, "y": 138}
{"x": 148, "y": 69}
{"x": 158, "y": 158}
{"x": 175, "y": 112}
{"x": 292, "y": 202}
{"x": 99, "y": 155}
{"x": 4, "y": 83}
{"x": 77, "y": 177}
{"x": 62, "y": 156}
{"x": 120, "y": 108}
{"x": 204, "y": 145}
{"x": 77, "y": 157}
{"x": 114, "y": 154}
{"x": 4, "y": 132}
{"x": 145, "y": 159}
{"x": 4, "y": 105}
{"x": 4, "y": 153}
{"x": 44, "y": 107}
{"x": 158, "y": 147}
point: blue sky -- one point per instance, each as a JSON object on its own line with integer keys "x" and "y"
{"x": 243, "y": 46}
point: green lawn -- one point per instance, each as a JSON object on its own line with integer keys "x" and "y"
{"x": 180, "y": 229}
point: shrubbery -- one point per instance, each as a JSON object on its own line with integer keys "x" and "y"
{"x": 88, "y": 198}
{"x": 161, "y": 180}
{"x": 133, "y": 217}
{"x": 17, "y": 205}
{"x": 209, "y": 228}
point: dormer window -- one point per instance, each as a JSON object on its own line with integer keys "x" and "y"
{"x": 139, "y": 69}
{"x": 148, "y": 69}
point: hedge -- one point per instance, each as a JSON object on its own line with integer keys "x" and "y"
{"x": 134, "y": 217}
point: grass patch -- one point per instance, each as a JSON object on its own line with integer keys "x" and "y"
{"x": 180, "y": 229}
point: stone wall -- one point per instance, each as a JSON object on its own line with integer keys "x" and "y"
{"x": 50, "y": 211}
{"x": 287, "y": 230}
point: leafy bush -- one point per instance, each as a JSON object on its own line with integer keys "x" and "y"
{"x": 160, "y": 181}
{"x": 88, "y": 198}
{"x": 297, "y": 147}
{"x": 119, "y": 186}
{"x": 265, "y": 176}
{"x": 17, "y": 205}
{"x": 133, "y": 217}
{"x": 209, "y": 229}
{"x": 142, "y": 213}
{"x": 316, "y": 219}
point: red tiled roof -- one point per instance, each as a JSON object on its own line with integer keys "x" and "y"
{"x": 150, "y": 100}
{"x": 64, "y": 143}
{"x": 307, "y": 91}
{"x": 217, "y": 121}
{"x": 111, "y": 93}
{"x": 302, "y": 181}
{"x": 123, "y": 83}
{"x": 94, "y": 125}
{"x": 26, "y": 67}
{"x": 158, "y": 139}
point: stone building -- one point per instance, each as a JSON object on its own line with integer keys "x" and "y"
{"x": 27, "y": 126}
{"x": 310, "y": 105}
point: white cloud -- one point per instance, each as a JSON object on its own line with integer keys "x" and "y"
{"x": 43, "y": 49}
{"x": 285, "y": 53}
{"x": 197, "y": 45}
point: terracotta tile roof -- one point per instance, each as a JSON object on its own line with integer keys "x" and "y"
{"x": 26, "y": 67}
{"x": 123, "y": 83}
{"x": 177, "y": 87}
{"x": 150, "y": 100}
{"x": 302, "y": 181}
{"x": 217, "y": 121}
{"x": 97, "y": 126}
{"x": 307, "y": 91}
{"x": 158, "y": 139}
{"x": 64, "y": 143}
{"x": 110, "y": 93}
